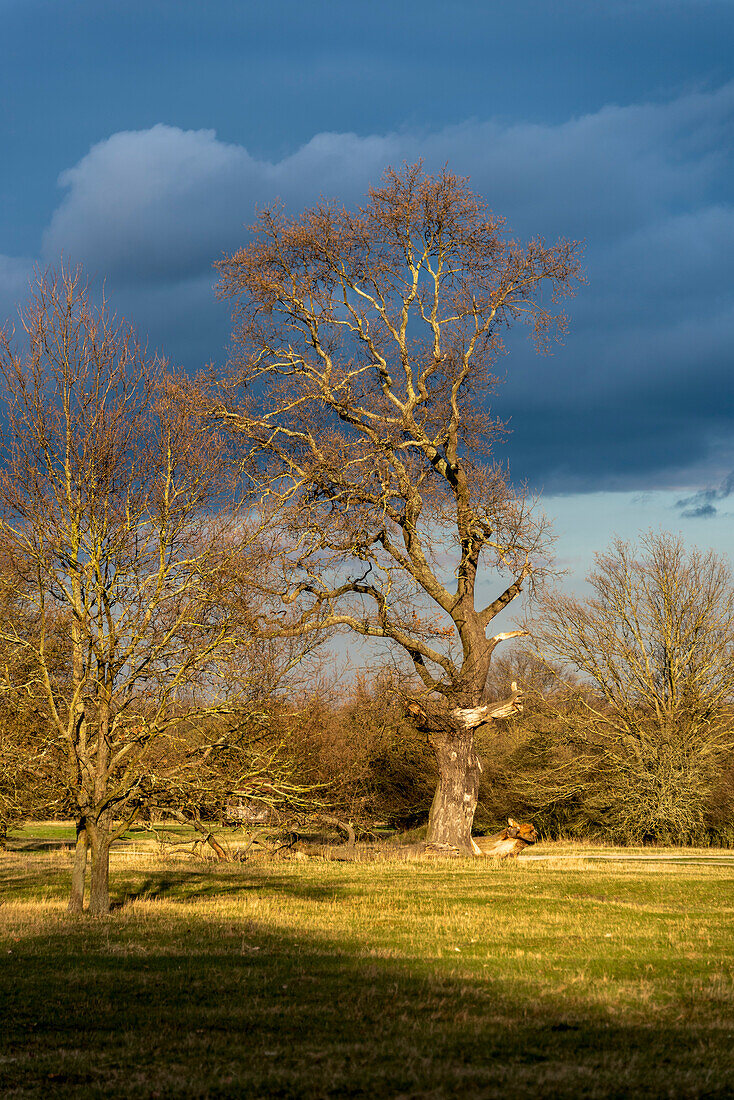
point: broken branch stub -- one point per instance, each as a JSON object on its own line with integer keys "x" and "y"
{"x": 433, "y": 716}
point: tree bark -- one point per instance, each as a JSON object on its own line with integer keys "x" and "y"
{"x": 455, "y": 801}
{"x": 99, "y": 883}
{"x": 459, "y": 768}
{"x": 78, "y": 874}
{"x": 216, "y": 847}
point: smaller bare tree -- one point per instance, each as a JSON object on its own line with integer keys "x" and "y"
{"x": 31, "y": 781}
{"x": 120, "y": 517}
{"x": 654, "y": 643}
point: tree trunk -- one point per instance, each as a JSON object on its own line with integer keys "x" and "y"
{"x": 99, "y": 885}
{"x": 214, "y": 844}
{"x": 455, "y": 801}
{"x": 459, "y": 768}
{"x": 78, "y": 874}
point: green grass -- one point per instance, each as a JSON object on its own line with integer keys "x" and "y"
{"x": 319, "y": 979}
{"x": 63, "y": 832}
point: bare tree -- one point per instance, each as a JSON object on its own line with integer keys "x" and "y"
{"x": 119, "y": 514}
{"x": 28, "y": 787}
{"x": 364, "y": 353}
{"x": 30, "y": 784}
{"x": 654, "y": 643}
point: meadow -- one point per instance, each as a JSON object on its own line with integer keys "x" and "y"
{"x": 565, "y": 977}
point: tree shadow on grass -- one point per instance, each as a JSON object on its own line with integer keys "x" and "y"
{"x": 190, "y": 886}
{"x": 187, "y": 885}
{"x": 169, "y": 1004}
{"x": 38, "y": 844}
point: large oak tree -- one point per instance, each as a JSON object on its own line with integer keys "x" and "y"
{"x": 364, "y": 353}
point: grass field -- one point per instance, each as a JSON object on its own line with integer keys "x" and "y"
{"x": 418, "y": 979}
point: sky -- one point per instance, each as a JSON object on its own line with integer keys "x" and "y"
{"x": 140, "y": 138}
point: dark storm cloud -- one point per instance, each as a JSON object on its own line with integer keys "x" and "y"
{"x": 641, "y": 392}
{"x": 162, "y": 202}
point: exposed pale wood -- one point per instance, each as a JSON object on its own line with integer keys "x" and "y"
{"x": 472, "y": 717}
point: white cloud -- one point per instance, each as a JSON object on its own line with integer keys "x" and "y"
{"x": 156, "y": 203}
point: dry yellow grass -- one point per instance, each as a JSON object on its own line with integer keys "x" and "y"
{"x": 313, "y": 978}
